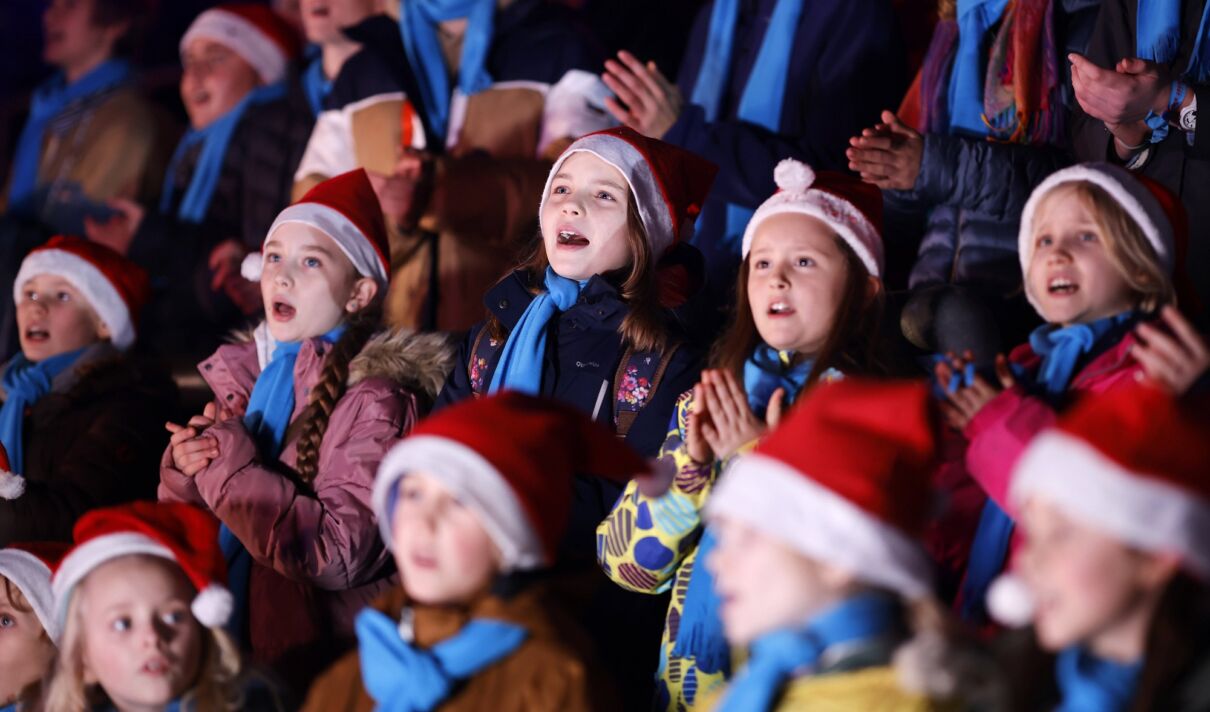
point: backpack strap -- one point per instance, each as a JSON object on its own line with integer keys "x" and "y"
{"x": 480, "y": 366}
{"x": 634, "y": 385}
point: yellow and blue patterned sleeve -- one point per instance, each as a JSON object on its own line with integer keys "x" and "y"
{"x": 643, "y": 541}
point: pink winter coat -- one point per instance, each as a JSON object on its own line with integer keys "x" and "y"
{"x": 318, "y": 557}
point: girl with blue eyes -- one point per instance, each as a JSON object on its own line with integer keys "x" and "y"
{"x": 1098, "y": 248}
{"x": 809, "y": 298}
{"x": 303, "y": 412}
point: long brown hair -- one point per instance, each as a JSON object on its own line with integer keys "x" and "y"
{"x": 1176, "y": 639}
{"x": 644, "y": 327}
{"x": 326, "y": 393}
{"x": 854, "y": 339}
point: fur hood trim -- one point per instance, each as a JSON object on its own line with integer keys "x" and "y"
{"x": 937, "y": 666}
{"x": 419, "y": 361}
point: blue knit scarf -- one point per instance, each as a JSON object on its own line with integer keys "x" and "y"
{"x": 520, "y": 365}
{"x": 1157, "y": 39}
{"x": 418, "y": 25}
{"x": 49, "y": 99}
{"x": 315, "y": 85}
{"x": 402, "y": 677}
{"x": 776, "y": 656}
{"x": 25, "y": 382}
{"x": 1061, "y": 349}
{"x": 700, "y": 633}
{"x": 270, "y": 407}
{"x": 1092, "y": 684}
{"x": 965, "y": 97}
{"x": 764, "y": 91}
{"x": 214, "y": 139}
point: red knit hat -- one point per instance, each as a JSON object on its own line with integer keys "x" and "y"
{"x": 511, "y": 457}
{"x": 115, "y": 287}
{"x": 346, "y": 209}
{"x": 845, "y": 479}
{"x": 182, "y": 533}
{"x": 669, "y": 184}
{"x": 848, "y": 205}
{"x": 28, "y": 566}
{"x": 260, "y": 36}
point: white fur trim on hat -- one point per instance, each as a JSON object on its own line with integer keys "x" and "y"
{"x": 475, "y": 481}
{"x": 28, "y": 573}
{"x": 575, "y": 106}
{"x": 770, "y": 496}
{"x": 343, "y": 231}
{"x": 12, "y": 485}
{"x": 91, "y": 554}
{"x": 1144, "y": 512}
{"x": 242, "y": 37}
{"x": 796, "y": 195}
{"x": 90, "y": 281}
{"x": 629, "y": 161}
{"x": 1126, "y": 191}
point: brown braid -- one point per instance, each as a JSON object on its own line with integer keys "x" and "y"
{"x": 331, "y": 386}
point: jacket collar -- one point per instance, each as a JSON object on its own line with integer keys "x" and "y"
{"x": 599, "y": 306}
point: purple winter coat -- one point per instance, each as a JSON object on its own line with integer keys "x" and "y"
{"x": 318, "y": 557}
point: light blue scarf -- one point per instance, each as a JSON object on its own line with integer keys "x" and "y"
{"x": 776, "y": 656}
{"x": 315, "y": 85}
{"x": 1157, "y": 39}
{"x": 214, "y": 139}
{"x": 520, "y": 365}
{"x": 402, "y": 677}
{"x": 25, "y": 382}
{"x": 967, "y": 79}
{"x": 1061, "y": 349}
{"x": 1092, "y": 684}
{"x": 49, "y": 99}
{"x": 418, "y": 24}
{"x": 768, "y": 369}
{"x": 270, "y": 407}
{"x": 761, "y": 102}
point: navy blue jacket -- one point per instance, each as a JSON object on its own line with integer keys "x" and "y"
{"x": 848, "y": 65}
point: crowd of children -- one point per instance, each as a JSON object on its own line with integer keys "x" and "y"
{"x": 699, "y": 449}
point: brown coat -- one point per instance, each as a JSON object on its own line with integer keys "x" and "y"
{"x": 551, "y": 671}
{"x": 317, "y": 555}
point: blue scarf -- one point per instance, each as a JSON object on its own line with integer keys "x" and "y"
{"x": 776, "y": 656}
{"x": 1061, "y": 349}
{"x": 270, "y": 407}
{"x": 25, "y": 382}
{"x": 520, "y": 365}
{"x": 315, "y": 85}
{"x": 1158, "y": 37}
{"x": 1092, "y": 684}
{"x": 49, "y": 99}
{"x": 700, "y": 633}
{"x": 214, "y": 139}
{"x": 764, "y": 91}
{"x": 402, "y": 677}
{"x": 174, "y": 706}
{"x": 418, "y": 24}
{"x": 965, "y": 98}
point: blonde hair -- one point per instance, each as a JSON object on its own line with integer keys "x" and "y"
{"x": 1128, "y": 248}
{"x": 219, "y": 684}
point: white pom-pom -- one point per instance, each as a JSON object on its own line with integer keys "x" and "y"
{"x": 1011, "y": 602}
{"x": 213, "y": 606}
{"x": 252, "y": 266}
{"x": 793, "y": 175}
{"x": 11, "y": 486}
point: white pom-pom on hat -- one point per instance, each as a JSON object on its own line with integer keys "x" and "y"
{"x": 1011, "y": 602}
{"x": 213, "y": 606}
{"x": 793, "y": 175}
{"x": 12, "y": 485}
{"x": 252, "y": 267}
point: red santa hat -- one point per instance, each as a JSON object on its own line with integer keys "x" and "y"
{"x": 12, "y": 484}
{"x": 1156, "y": 210}
{"x": 845, "y": 204}
{"x": 28, "y": 566}
{"x": 115, "y": 287}
{"x": 178, "y": 532}
{"x": 260, "y": 36}
{"x": 845, "y": 480}
{"x": 511, "y": 458}
{"x": 346, "y": 209}
{"x": 669, "y": 184}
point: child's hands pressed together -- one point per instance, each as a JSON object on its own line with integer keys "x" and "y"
{"x": 965, "y": 402}
{"x": 1174, "y": 360}
{"x": 192, "y": 449}
{"x": 888, "y": 155}
{"x": 652, "y": 102}
{"x": 722, "y": 421}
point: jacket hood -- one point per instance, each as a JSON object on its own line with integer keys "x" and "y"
{"x": 418, "y": 361}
